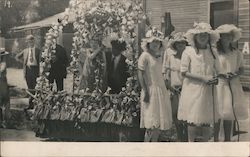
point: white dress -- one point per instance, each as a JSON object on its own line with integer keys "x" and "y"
{"x": 231, "y": 62}
{"x": 157, "y": 113}
{"x": 197, "y": 98}
{"x": 173, "y": 64}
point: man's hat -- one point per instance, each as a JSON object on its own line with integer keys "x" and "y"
{"x": 30, "y": 37}
{"x": 3, "y": 52}
{"x": 113, "y": 40}
{"x": 2, "y": 49}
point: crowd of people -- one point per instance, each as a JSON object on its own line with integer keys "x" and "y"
{"x": 201, "y": 70}
{"x": 192, "y": 81}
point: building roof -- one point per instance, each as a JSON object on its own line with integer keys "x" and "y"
{"x": 47, "y": 22}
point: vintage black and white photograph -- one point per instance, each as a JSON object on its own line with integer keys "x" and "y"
{"x": 175, "y": 71}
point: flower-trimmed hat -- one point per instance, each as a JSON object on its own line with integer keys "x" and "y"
{"x": 230, "y": 28}
{"x": 177, "y": 37}
{"x": 202, "y": 28}
{"x": 152, "y": 35}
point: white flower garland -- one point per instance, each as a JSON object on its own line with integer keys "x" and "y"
{"x": 93, "y": 17}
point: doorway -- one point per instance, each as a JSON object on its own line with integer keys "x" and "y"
{"x": 223, "y": 12}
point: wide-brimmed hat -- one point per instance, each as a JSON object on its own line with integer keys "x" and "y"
{"x": 202, "y": 28}
{"x": 30, "y": 37}
{"x": 230, "y": 28}
{"x": 3, "y": 52}
{"x": 152, "y": 35}
{"x": 177, "y": 37}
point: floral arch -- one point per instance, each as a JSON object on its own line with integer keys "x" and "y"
{"x": 99, "y": 18}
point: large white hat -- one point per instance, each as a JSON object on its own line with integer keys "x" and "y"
{"x": 230, "y": 28}
{"x": 152, "y": 35}
{"x": 202, "y": 28}
{"x": 176, "y": 37}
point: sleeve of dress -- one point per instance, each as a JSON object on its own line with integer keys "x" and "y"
{"x": 165, "y": 64}
{"x": 240, "y": 60}
{"x": 185, "y": 61}
{"x": 142, "y": 62}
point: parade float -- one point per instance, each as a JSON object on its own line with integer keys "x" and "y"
{"x": 97, "y": 115}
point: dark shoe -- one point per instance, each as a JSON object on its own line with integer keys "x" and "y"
{"x": 26, "y": 113}
{"x": 239, "y": 132}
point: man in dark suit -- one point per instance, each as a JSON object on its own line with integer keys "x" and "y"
{"x": 58, "y": 70}
{"x": 30, "y": 57}
{"x": 117, "y": 69}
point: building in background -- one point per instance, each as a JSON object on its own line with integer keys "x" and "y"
{"x": 216, "y": 12}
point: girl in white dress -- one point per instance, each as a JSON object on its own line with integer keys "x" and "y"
{"x": 155, "y": 99}
{"x": 231, "y": 98}
{"x": 172, "y": 74}
{"x": 197, "y": 105}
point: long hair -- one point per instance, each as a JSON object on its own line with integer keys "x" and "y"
{"x": 221, "y": 49}
{"x": 209, "y": 45}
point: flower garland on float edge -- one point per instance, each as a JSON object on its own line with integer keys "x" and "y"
{"x": 96, "y": 18}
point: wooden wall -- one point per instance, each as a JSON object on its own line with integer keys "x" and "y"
{"x": 243, "y": 23}
{"x": 183, "y": 12}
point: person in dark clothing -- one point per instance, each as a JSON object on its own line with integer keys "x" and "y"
{"x": 58, "y": 70}
{"x": 117, "y": 69}
{"x": 4, "y": 90}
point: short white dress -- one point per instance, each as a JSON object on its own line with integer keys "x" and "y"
{"x": 231, "y": 62}
{"x": 197, "y": 99}
{"x": 157, "y": 113}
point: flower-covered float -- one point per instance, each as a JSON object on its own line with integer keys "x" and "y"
{"x": 96, "y": 115}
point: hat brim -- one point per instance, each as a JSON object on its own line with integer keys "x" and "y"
{"x": 172, "y": 42}
{"x": 4, "y": 53}
{"x": 214, "y": 36}
{"x": 145, "y": 41}
{"x": 236, "y": 32}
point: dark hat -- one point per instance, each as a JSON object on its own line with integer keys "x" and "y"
{"x": 121, "y": 45}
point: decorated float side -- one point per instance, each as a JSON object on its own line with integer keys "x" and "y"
{"x": 84, "y": 114}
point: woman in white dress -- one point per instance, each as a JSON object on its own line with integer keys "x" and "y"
{"x": 172, "y": 74}
{"x": 156, "y": 112}
{"x": 197, "y": 105}
{"x": 231, "y": 98}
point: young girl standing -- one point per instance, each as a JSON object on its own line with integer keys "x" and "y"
{"x": 231, "y": 100}
{"x": 197, "y": 105}
{"x": 171, "y": 71}
{"x": 155, "y": 100}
